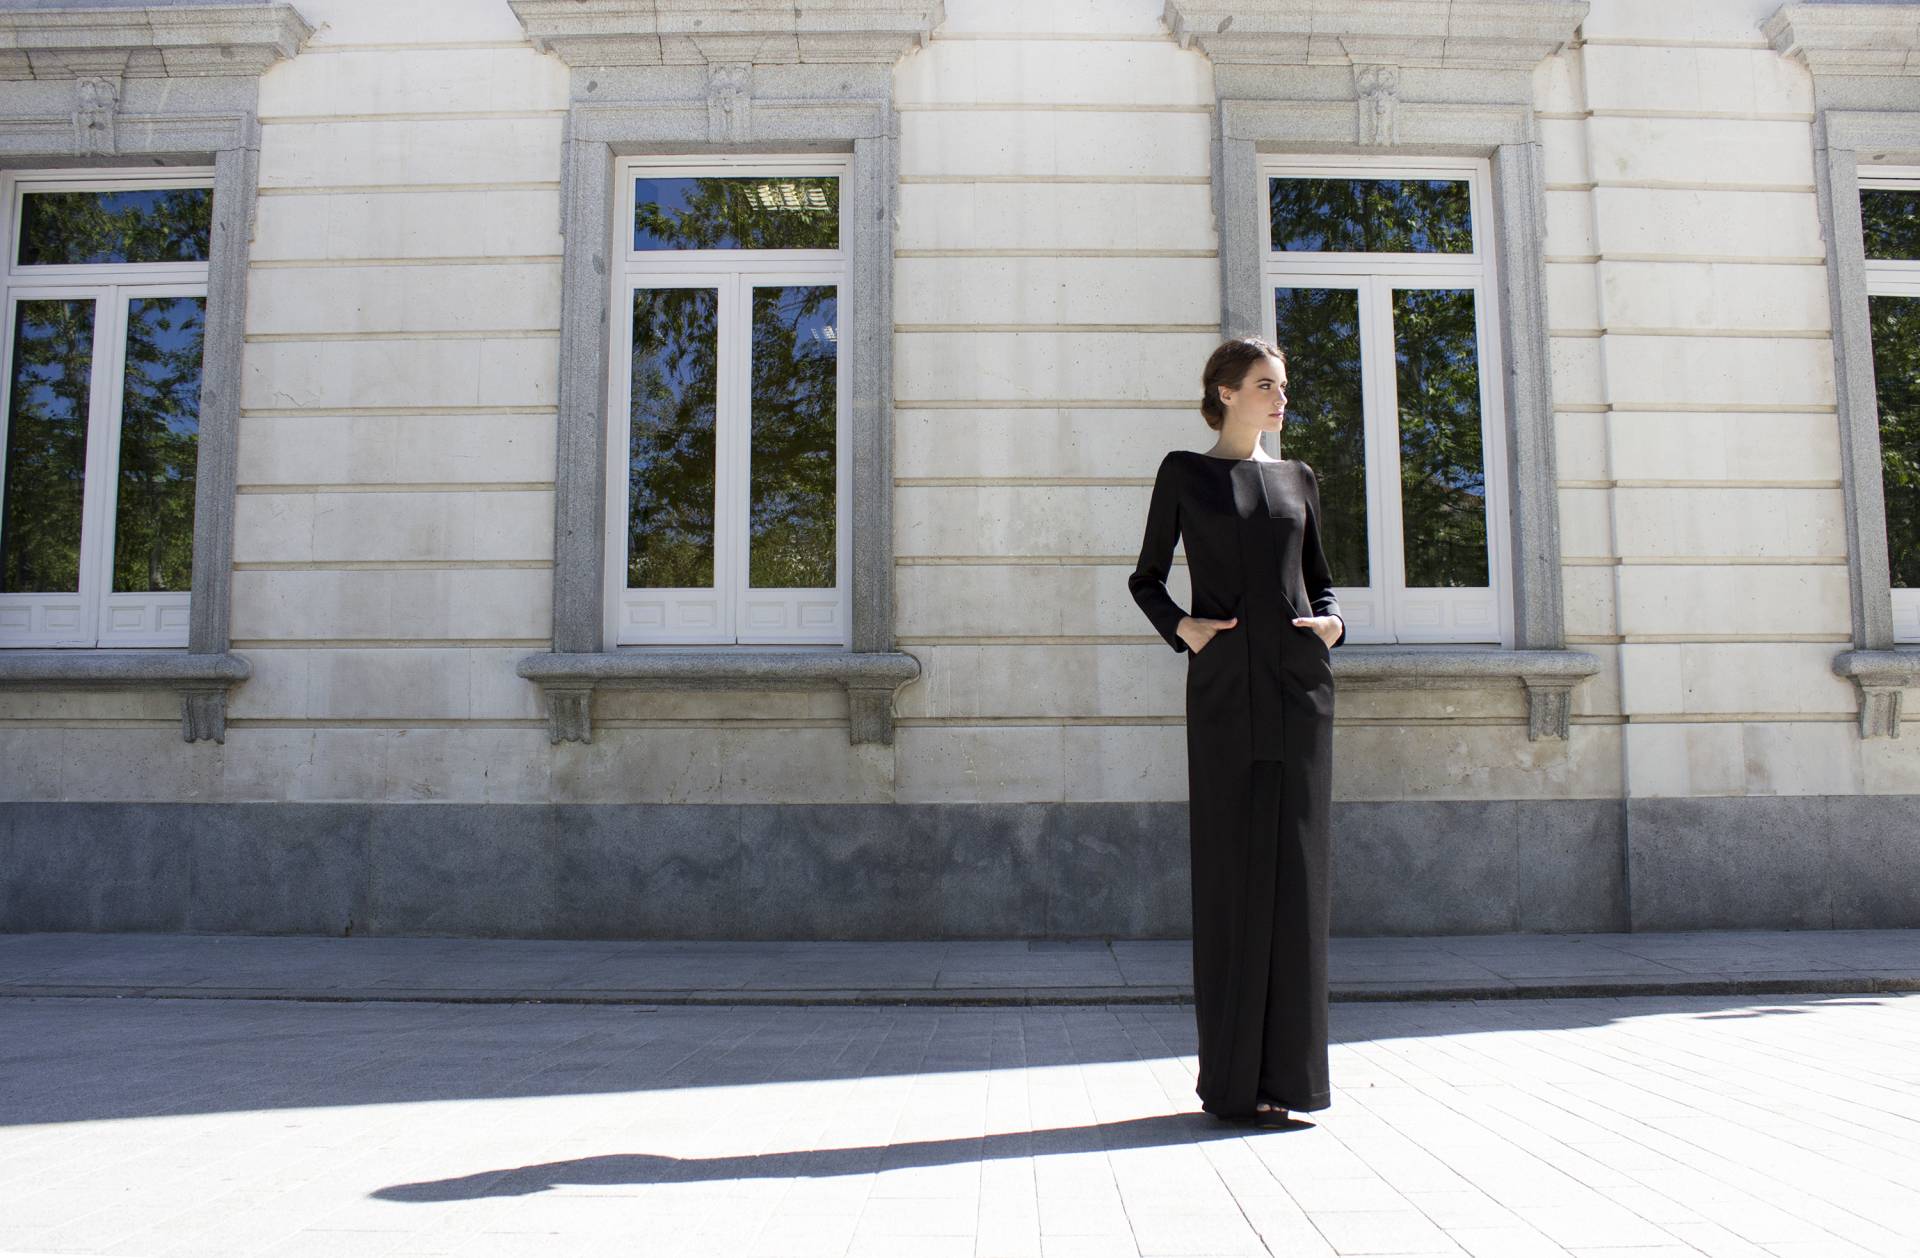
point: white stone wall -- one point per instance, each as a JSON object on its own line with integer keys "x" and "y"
{"x": 1057, "y": 289}
{"x": 1701, "y": 506}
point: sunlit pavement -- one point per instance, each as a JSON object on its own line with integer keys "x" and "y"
{"x": 1642, "y": 1126}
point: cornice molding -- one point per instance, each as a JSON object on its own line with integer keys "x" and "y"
{"x": 1848, "y": 39}
{"x": 152, "y": 42}
{"x": 1479, "y": 34}
{"x": 727, "y": 32}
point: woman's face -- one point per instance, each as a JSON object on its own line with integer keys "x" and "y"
{"x": 1260, "y": 403}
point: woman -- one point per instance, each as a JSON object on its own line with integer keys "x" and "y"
{"x": 1259, "y": 737}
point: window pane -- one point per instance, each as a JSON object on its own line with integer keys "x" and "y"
{"x": 670, "y": 447}
{"x": 1443, "y": 493}
{"x": 46, "y": 447}
{"x": 1371, "y": 215}
{"x": 731, "y": 212}
{"x": 1896, "y": 374}
{"x": 159, "y": 445}
{"x": 1890, "y": 218}
{"x": 144, "y": 225}
{"x": 1319, "y": 330}
{"x": 795, "y": 353}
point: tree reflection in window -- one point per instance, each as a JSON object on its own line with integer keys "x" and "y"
{"x": 159, "y": 444}
{"x": 670, "y": 459}
{"x": 1329, "y": 215}
{"x": 1443, "y": 493}
{"x": 1319, "y": 331}
{"x": 1895, "y": 324}
{"x": 734, "y": 212}
{"x": 795, "y": 357}
{"x": 47, "y": 408}
{"x": 136, "y": 225}
{"x": 1890, "y": 223}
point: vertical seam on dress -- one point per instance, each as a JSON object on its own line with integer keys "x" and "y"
{"x": 1237, "y": 968}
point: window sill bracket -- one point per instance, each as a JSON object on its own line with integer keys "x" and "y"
{"x": 1549, "y": 676}
{"x": 201, "y": 681}
{"x": 870, "y": 679}
{"x": 1878, "y": 678}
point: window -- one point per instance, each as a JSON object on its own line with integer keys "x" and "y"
{"x": 728, "y": 454}
{"x": 1380, "y": 287}
{"x": 817, "y": 615}
{"x": 105, "y": 317}
{"x": 1890, "y": 231}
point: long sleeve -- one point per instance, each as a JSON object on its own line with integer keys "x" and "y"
{"x": 1149, "y": 580}
{"x": 1313, "y": 560}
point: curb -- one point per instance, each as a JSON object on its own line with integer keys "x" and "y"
{"x": 984, "y": 997}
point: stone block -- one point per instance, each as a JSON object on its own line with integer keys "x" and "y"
{"x": 456, "y": 223}
{"x": 457, "y": 525}
{"x": 1048, "y": 216}
{"x": 460, "y": 150}
{"x": 1047, "y": 142}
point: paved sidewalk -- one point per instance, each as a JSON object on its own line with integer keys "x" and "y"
{"x": 1615, "y": 1127}
{"x": 990, "y": 972}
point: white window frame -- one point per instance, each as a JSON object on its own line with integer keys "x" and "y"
{"x": 1888, "y": 277}
{"x": 95, "y": 615}
{"x": 1387, "y": 611}
{"x": 733, "y": 612}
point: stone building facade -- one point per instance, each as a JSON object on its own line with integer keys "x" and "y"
{"x": 570, "y": 468}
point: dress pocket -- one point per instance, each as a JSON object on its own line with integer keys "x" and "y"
{"x": 1210, "y": 656}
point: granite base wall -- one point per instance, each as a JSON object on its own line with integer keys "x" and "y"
{"x": 880, "y": 871}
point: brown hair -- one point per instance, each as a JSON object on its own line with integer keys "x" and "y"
{"x": 1228, "y": 366}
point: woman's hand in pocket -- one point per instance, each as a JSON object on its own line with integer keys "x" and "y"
{"x": 1326, "y": 628}
{"x": 1197, "y": 631}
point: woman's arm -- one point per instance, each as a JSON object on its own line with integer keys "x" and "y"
{"x": 1313, "y": 559}
{"x": 1149, "y": 580}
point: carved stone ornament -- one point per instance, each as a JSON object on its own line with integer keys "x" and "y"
{"x": 730, "y": 102}
{"x": 1378, "y": 90}
{"x": 96, "y": 105}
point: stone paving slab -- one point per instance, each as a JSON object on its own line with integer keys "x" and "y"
{"x": 958, "y": 972}
{"x": 1624, "y": 1127}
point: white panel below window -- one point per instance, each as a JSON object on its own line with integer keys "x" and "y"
{"x": 43, "y": 620}
{"x": 1467, "y": 615}
{"x": 144, "y": 620}
{"x": 658, "y": 616}
{"x": 1906, "y": 615}
{"x": 793, "y": 616}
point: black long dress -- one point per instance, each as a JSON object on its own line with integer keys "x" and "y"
{"x": 1259, "y": 767}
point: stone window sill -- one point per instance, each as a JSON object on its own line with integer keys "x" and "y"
{"x": 202, "y": 681}
{"x": 870, "y": 678}
{"x": 1548, "y": 676}
{"x": 1878, "y": 678}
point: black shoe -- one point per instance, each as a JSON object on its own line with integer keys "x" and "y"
{"x": 1275, "y": 1117}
